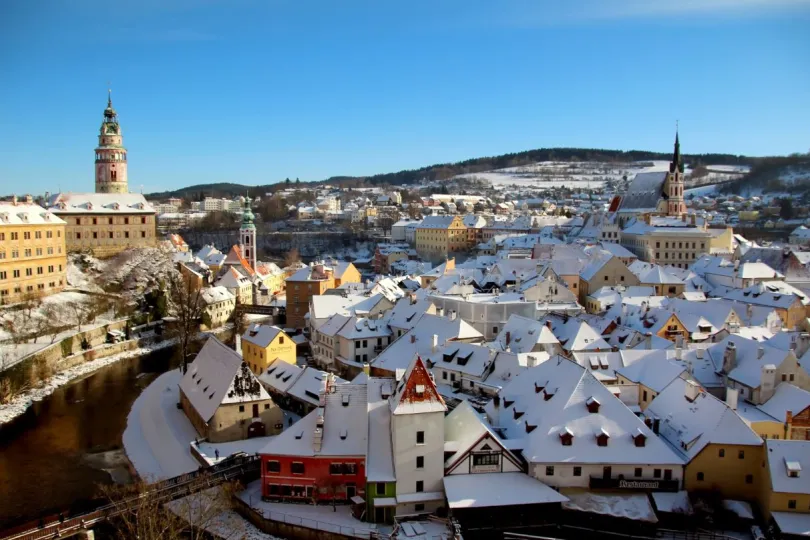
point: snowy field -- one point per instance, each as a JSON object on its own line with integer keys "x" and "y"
{"x": 589, "y": 174}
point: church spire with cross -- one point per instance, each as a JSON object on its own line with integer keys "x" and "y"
{"x": 675, "y": 181}
{"x": 247, "y": 234}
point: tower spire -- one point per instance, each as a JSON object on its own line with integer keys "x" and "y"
{"x": 677, "y": 164}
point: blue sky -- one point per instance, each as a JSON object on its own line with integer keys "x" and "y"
{"x": 253, "y": 91}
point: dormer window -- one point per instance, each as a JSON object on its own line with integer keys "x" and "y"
{"x": 508, "y": 402}
{"x": 345, "y": 400}
{"x": 539, "y": 387}
{"x": 420, "y": 389}
{"x": 549, "y": 393}
{"x": 639, "y": 439}
{"x": 530, "y": 428}
{"x": 793, "y": 468}
{"x": 518, "y": 414}
{"x": 602, "y": 437}
{"x": 593, "y": 405}
{"x": 566, "y": 437}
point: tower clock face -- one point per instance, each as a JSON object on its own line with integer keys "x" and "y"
{"x": 112, "y": 128}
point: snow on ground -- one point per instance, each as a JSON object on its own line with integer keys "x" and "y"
{"x": 741, "y": 508}
{"x": 700, "y": 191}
{"x": 21, "y": 403}
{"x": 157, "y": 435}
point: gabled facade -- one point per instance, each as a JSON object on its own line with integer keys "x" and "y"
{"x": 262, "y": 344}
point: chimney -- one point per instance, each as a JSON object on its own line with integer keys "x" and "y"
{"x": 14, "y": 200}
{"x": 508, "y": 338}
{"x": 440, "y": 311}
{"x": 692, "y": 390}
{"x": 749, "y": 312}
{"x": 729, "y": 357}
{"x": 29, "y": 199}
{"x": 767, "y": 383}
{"x": 548, "y": 324}
{"x": 453, "y": 315}
{"x": 648, "y": 341}
{"x": 237, "y": 344}
{"x": 699, "y": 353}
{"x": 413, "y": 338}
{"x": 732, "y": 394}
{"x": 760, "y": 353}
{"x": 367, "y": 368}
{"x": 693, "y": 220}
{"x": 435, "y": 342}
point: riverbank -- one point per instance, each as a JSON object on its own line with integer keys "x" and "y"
{"x": 20, "y": 403}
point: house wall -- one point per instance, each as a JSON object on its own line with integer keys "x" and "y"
{"x": 564, "y": 472}
{"x": 390, "y": 491}
{"x": 614, "y": 272}
{"x": 219, "y": 312}
{"x": 106, "y": 235}
{"x": 405, "y": 451}
{"x": 229, "y": 423}
{"x": 298, "y": 295}
{"x": 799, "y": 425}
{"x": 191, "y": 413}
{"x": 38, "y": 249}
{"x": 258, "y": 358}
{"x": 323, "y": 485}
{"x": 726, "y": 475}
{"x": 465, "y": 465}
{"x": 672, "y": 329}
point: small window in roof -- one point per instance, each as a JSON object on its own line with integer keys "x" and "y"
{"x": 420, "y": 388}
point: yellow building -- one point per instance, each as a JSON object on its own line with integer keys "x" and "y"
{"x": 33, "y": 256}
{"x": 784, "y": 497}
{"x": 440, "y": 236}
{"x": 261, "y": 344}
{"x": 601, "y": 272}
{"x": 722, "y": 454}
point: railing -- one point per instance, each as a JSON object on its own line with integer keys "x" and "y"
{"x": 228, "y": 469}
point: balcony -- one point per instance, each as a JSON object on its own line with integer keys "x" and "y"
{"x": 634, "y": 484}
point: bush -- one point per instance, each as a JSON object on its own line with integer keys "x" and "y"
{"x": 67, "y": 346}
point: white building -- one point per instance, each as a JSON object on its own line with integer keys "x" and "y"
{"x": 219, "y": 305}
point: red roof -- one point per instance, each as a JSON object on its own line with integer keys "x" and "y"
{"x": 235, "y": 257}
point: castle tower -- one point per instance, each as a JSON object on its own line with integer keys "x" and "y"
{"x": 111, "y": 156}
{"x": 247, "y": 235}
{"x": 674, "y": 183}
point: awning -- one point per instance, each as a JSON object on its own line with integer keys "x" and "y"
{"x": 636, "y": 506}
{"x": 795, "y": 523}
{"x": 497, "y": 489}
{"x": 677, "y": 502}
{"x": 385, "y": 501}
{"x": 357, "y": 499}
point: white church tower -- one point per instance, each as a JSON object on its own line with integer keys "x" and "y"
{"x": 417, "y": 438}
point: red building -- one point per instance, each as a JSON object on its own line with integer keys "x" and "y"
{"x": 323, "y": 455}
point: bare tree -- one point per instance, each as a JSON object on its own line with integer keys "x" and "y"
{"x": 292, "y": 257}
{"x": 78, "y": 312}
{"x": 186, "y": 306}
{"x": 143, "y": 515}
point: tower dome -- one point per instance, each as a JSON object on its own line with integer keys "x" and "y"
{"x": 111, "y": 156}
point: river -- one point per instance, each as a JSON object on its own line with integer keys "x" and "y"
{"x": 54, "y": 456}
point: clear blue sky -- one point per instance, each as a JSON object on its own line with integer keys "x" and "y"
{"x": 254, "y": 91}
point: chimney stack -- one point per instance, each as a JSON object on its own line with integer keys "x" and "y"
{"x": 767, "y": 383}
{"x": 413, "y": 338}
{"x": 729, "y": 357}
{"x": 435, "y": 345}
{"x": 508, "y": 338}
{"x": 648, "y": 341}
{"x": 760, "y": 353}
{"x": 732, "y": 395}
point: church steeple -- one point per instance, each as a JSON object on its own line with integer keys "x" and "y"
{"x": 111, "y": 156}
{"x": 676, "y": 164}
{"x": 247, "y": 234}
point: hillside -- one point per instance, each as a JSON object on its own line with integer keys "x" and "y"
{"x": 789, "y": 174}
{"x": 443, "y": 171}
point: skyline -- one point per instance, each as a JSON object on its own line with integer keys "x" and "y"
{"x": 207, "y": 93}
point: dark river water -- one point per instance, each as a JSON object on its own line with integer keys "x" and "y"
{"x": 55, "y": 456}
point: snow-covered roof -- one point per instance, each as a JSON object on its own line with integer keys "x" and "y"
{"x": 655, "y": 372}
{"x": 525, "y": 335}
{"x": 548, "y": 404}
{"x": 750, "y": 357}
{"x": 635, "y": 506}
{"x": 419, "y": 341}
{"x": 463, "y": 429}
{"x": 212, "y": 295}
{"x": 326, "y": 305}
{"x": 24, "y": 213}
{"x": 766, "y": 294}
{"x": 232, "y": 279}
{"x": 792, "y": 523}
{"x": 218, "y": 376}
{"x": 675, "y": 503}
{"x": 789, "y": 465}
{"x": 786, "y": 398}
{"x": 436, "y": 222}
{"x": 99, "y": 203}
{"x": 688, "y": 425}
{"x": 464, "y": 358}
{"x": 344, "y": 431}
{"x": 261, "y": 335}
{"x": 379, "y": 454}
{"x": 363, "y": 328}
{"x": 497, "y": 489}
{"x": 575, "y": 334}
{"x": 644, "y": 192}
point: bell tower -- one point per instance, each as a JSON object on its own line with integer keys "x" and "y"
{"x": 675, "y": 182}
{"x": 247, "y": 235}
{"x": 111, "y": 156}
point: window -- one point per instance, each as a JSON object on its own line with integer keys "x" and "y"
{"x": 143, "y": 220}
{"x": 297, "y": 467}
{"x": 577, "y": 471}
{"x": 126, "y": 221}
{"x": 420, "y": 486}
{"x": 494, "y": 329}
{"x": 722, "y": 452}
{"x": 741, "y": 454}
{"x": 281, "y": 340}
{"x": 637, "y": 472}
{"x": 749, "y": 478}
{"x": 26, "y": 236}
{"x": 656, "y": 473}
{"x": 644, "y": 395}
{"x": 792, "y": 504}
{"x": 143, "y": 234}
{"x": 3, "y": 275}
{"x": 420, "y": 437}
{"x": 606, "y": 278}
{"x": 419, "y": 507}
{"x": 273, "y": 467}
{"x": 335, "y": 469}
{"x": 349, "y": 468}
{"x": 380, "y": 488}
{"x": 126, "y": 234}
{"x": 444, "y": 375}
{"x": 420, "y": 462}
{"x": 550, "y": 470}
{"x": 667, "y": 474}
{"x": 485, "y": 459}
{"x": 700, "y": 477}
{"x": 241, "y": 408}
